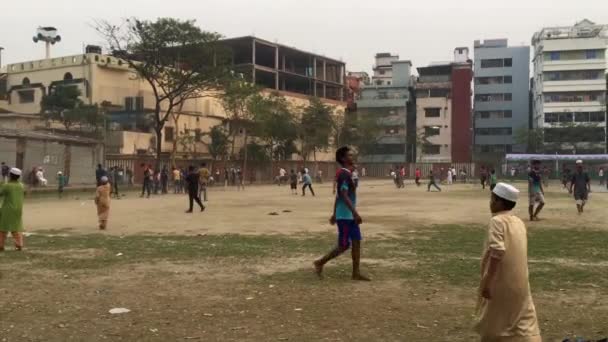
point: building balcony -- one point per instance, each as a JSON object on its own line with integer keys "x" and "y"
{"x": 594, "y": 106}
{"x": 574, "y": 64}
{"x": 578, "y": 85}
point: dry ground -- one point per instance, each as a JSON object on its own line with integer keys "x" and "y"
{"x": 235, "y": 273}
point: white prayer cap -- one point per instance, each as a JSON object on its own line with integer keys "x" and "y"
{"x": 506, "y": 191}
{"x": 15, "y": 171}
{"x": 59, "y": 172}
{"x": 579, "y": 162}
{"x": 104, "y": 179}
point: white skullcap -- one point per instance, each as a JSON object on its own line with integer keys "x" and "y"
{"x": 506, "y": 191}
{"x": 104, "y": 179}
{"x": 578, "y": 162}
{"x": 15, "y": 171}
{"x": 59, "y": 172}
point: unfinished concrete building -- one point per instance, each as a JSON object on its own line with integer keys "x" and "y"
{"x": 283, "y": 68}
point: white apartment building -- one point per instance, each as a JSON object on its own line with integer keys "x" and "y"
{"x": 569, "y": 87}
{"x": 383, "y": 69}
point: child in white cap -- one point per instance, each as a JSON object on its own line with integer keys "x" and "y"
{"x": 11, "y": 213}
{"x": 102, "y": 200}
{"x": 505, "y": 304}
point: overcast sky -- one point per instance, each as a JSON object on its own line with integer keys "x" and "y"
{"x": 352, "y": 30}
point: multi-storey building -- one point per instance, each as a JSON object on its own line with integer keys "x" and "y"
{"x": 443, "y": 110}
{"x": 388, "y": 99}
{"x": 129, "y": 101}
{"x": 570, "y": 87}
{"x": 501, "y": 106}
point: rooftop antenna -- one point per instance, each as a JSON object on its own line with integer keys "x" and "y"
{"x": 49, "y": 36}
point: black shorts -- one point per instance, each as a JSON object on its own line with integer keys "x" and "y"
{"x": 294, "y": 185}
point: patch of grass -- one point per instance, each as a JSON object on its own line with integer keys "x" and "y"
{"x": 445, "y": 253}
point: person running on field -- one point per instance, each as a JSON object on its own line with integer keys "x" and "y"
{"x": 418, "y": 176}
{"x": 11, "y": 212}
{"x": 432, "y": 182}
{"x": 346, "y": 217}
{"x": 505, "y": 307}
{"x": 192, "y": 183}
{"x": 600, "y": 174}
{"x": 493, "y": 180}
{"x": 483, "y": 177}
{"x": 536, "y": 193}
{"x": 293, "y": 182}
{"x": 580, "y": 186}
{"x": 307, "y": 180}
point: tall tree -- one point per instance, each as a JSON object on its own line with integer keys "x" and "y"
{"x": 177, "y": 59}
{"x": 237, "y": 103}
{"x": 62, "y": 105}
{"x": 218, "y": 142}
{"x": 274, "y": 123}
{"x": 316, "y": 127}
{"x": 361, "y": 130}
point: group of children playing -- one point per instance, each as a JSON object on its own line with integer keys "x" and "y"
{"x": 505, "y": 306}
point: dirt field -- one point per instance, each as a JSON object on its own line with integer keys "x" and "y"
{"x": 384, "y": 208}
{"x": 236, "y": 273}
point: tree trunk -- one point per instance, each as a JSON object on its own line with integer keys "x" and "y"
{"x": 271, "y": 160}
{"x": 175, "y": 139}
{"x": 245, "y": 157}
{"x": 158, "y": 130}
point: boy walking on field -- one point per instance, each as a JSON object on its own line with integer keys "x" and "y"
{"x": 345, "y": 215}
{"x": 506, "y": 308}
{"x": 11, "y": 213}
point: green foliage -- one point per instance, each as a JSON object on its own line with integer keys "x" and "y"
{"x": 316, "y": 127}
{"x": 236, "y": 101}
{"x": 64, "y": 105}
{"x": 532, "y": 138}
{"x": 218, "y": 145}
{"x": 274, "y": 122}
{"x": 175, "y": 57}
{"x": 361, "y": 131}
{"x": 256, "y": 152}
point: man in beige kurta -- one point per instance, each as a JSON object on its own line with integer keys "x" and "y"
{"x": 505, "y": 303}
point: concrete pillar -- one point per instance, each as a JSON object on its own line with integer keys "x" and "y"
{"x": 253, "y": 61}
{"x": 314, "y": 67}
{"x": 276, "y": 66}
{"x": 324, "y": 73}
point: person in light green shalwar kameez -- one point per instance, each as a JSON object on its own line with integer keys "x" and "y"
{"x": 11, "y": 212}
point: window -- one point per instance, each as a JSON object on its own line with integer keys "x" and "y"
{"x": 554, "y": 55}
{"x": 378, "y": 82}
{"x": 494, "y": 114}
{"x": 139, "y": 104}
{"x": 581, "y": 117}
{"x": 25, "y": 82}
{"x": 198, "y": 135}
{"x": 431, "y": 149}
{"x": 575, "y": 96}
{"x": 381, "y": 72}
{"x": 590, "y": 54}
{"x": 597, "y": 117}
{"x": 551, "y": 117}
{"x": 129, "y": 103}
{"x": 432, "y": 112}
{"x": 26, "y": 96}
{"x": 392, "y": 130}
{"x": 508, "y": 62}
{"x": 493, "y": 97}
{"x": 492, "y": 63}
{"x": 494, "y": 131}
{"x": 388, "y": 82}
{"x": 169, "y": 134}
{"x": 439, "y": 92}
{"x": 68, "y": 77}
{"x": 430, "y": 131}
{"x": 574, "y": 75}
{"x": 508, "y": 79}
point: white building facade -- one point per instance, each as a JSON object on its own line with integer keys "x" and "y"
{"x": 569, "y": 87}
